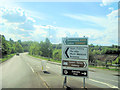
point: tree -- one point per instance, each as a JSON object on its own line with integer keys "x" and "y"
{"x": 26, "y": 45}
{"x": 5, "y": 46}
{"x": 46, "y": 48}
{"x": 57, "y": 54}
{"x": 18, "y": 47}
{"x": 35, "y": 49}
{"x": 19, "y": 41}
{"x": 12, "y": 44}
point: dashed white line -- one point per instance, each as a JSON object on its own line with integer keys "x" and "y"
{"x": 31, "y": 67}
{"x": 109, "y": 85}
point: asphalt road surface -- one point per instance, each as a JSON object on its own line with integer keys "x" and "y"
{"x": 25, "y": 71}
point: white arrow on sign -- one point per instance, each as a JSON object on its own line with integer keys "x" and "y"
{"x": 85, "y": 64}
{"x": 64, "y": 41}
{"x": 84, "y": 73}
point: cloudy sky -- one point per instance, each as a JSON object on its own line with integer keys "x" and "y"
{"x": 37, "y": 20}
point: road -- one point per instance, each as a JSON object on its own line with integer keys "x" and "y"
{"x": 25, "y": 71}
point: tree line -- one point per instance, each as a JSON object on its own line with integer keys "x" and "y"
{"x": 47, "y": 49}
{"x": 10, "y": 47}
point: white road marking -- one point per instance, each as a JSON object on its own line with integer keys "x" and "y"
{"x": 31, "y": 67}
{"x": 109, "y": 85}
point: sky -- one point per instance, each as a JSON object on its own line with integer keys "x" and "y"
{"x": 37, "y": 20}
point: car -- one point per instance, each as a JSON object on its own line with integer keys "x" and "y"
{"x": 17, "y": 54}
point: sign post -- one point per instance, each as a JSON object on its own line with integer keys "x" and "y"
{"x": 83, "y": 82}
{"x": 75, "y": 57}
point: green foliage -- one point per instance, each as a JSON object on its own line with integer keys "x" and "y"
{"x": 20, "y": 42}
{"x": 6, "y": 57}
{"x": 6, "y": 47}
{"x": 57, "y": 54}
{"x": 26, "y": 45}
{"x": 49, "y": 50}
{"x": 19, "y": 48}
{"x": 45, "y": 58}
{"x": 35, "y": 49}
{"x": 42, "y": 48}
{"x": 103, "y": 49}
{"x": 117, "y": 61}
{"x": 10, "y": 47}
{"x": 98, "y": 67}
{"x": 46, "y": 48}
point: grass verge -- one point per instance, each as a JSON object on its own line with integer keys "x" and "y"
{"x": 45, "y": 58}
{"x": 6, "y": 58}
{"x": 98, "y": 67}
{"x": 58, "y": 61}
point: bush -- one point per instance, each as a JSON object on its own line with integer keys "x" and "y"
{"x": 57, "y": 54}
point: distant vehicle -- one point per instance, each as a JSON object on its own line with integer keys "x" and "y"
{"x": 17, "y": 54}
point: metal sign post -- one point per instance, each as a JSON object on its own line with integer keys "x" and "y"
{"x": 75, "y": 58}
{"x": 83, "y": 82}
{"x": 65, "y": 82}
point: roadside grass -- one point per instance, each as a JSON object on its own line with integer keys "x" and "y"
{"x": 58, "y": 61}
{"x": 6, "y": 58}
{"x": 103, "y": 67}
{"x": 45, "y": 58}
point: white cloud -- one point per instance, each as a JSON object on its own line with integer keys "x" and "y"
{"x": 43, "y": 31}
{"x": 44, "y": 36}
{"x": 68, "y": 32}
{"x": 113, "y": 15}
{"x": 88, "y": 18}
{"x": 7, "y": 3}
{"x": 38, "y": 30}
{"x": 26, "y": 28}
{"x": 14, "y": 36}
{"x": 101, "y": 37}
{"x": 109, "y": 35}
{"x": 31, "y": 19}
{"x": 107, "y": 2}
{"x": 15, "y": 23}
{"x": 111, "y": 8}
{"x": 101, "y": 5}
{"x": 39, "y": 33}
{"x": 15, "y": 15}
